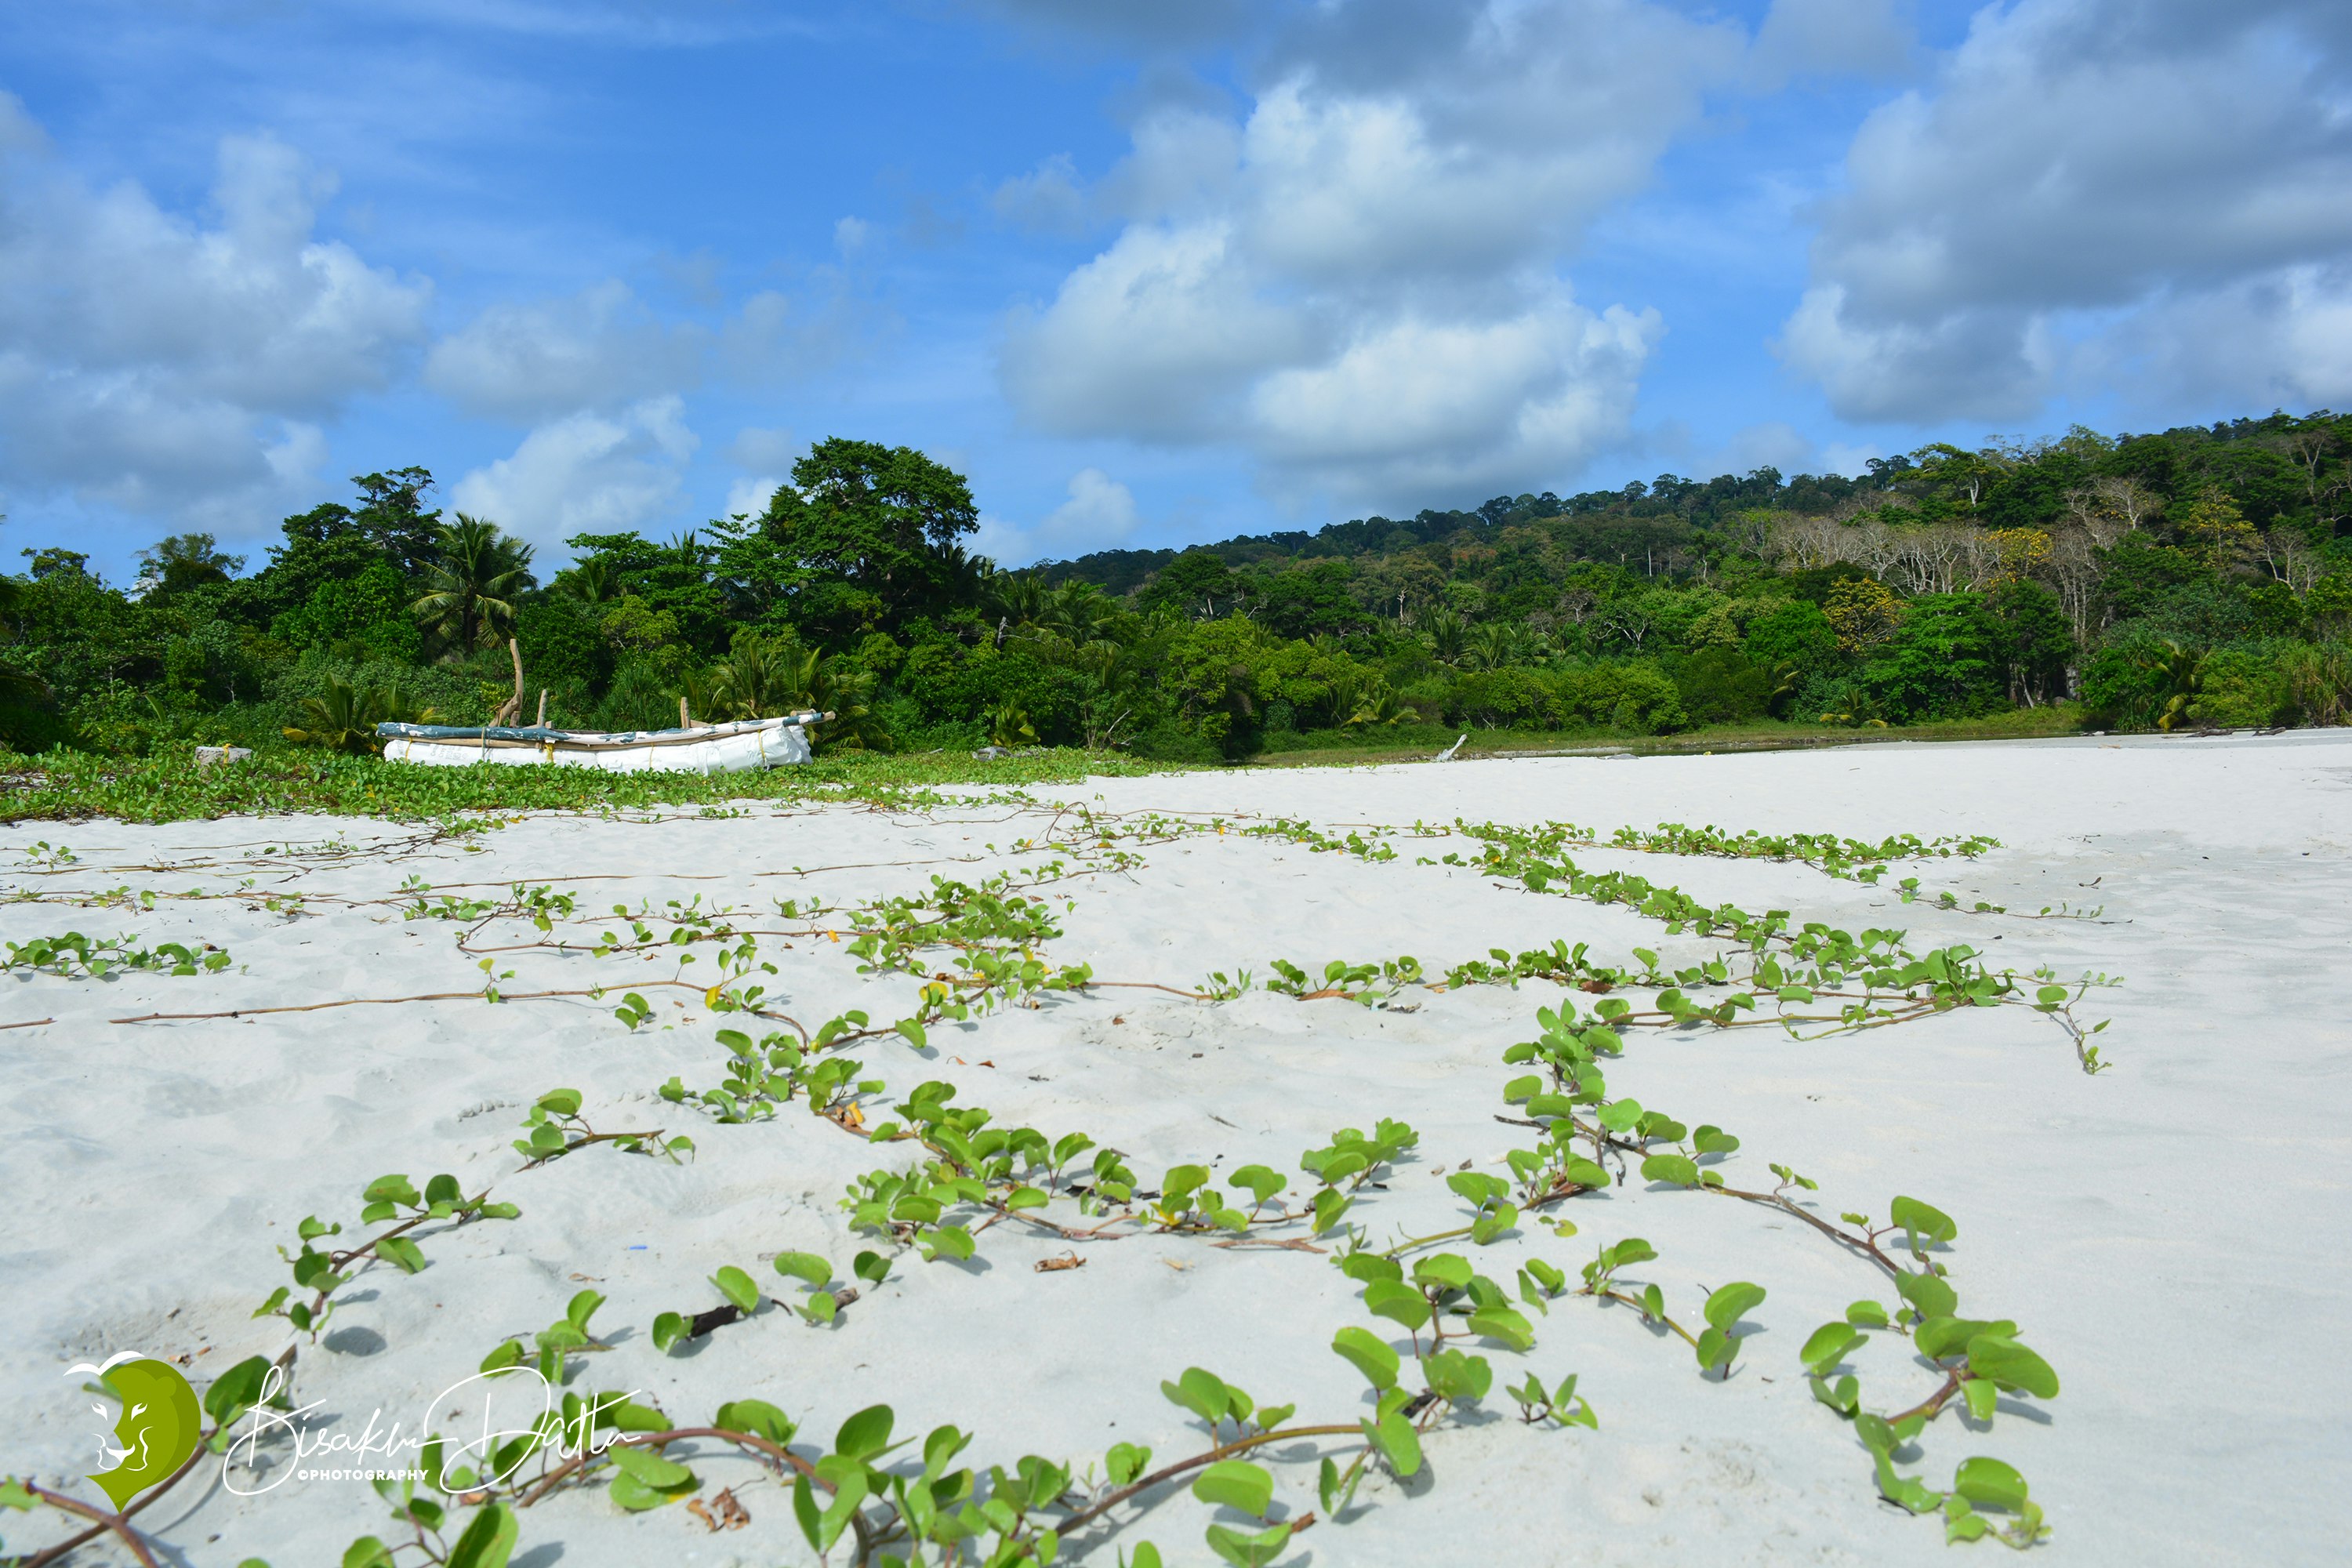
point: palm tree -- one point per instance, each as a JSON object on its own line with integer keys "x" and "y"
{"x": 592, "y": 582}
{"x": 1443, "y": 633}
{"x": 475, "y": 581}
{"x": 344, "y": 716}
{"x": 763, "y": 677}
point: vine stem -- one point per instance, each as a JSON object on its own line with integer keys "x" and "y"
{"x": 1644, "y": 1310}
{"x": 1933, "y": 1404}
{"x": 115, "y": 1522}
{"x": 1226, "y": 1451}
{"x": 1868, "y": 1246}
{"x": 597, "y": 991}
{"x": 758, "y": 1445}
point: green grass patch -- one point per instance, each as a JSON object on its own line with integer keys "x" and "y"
{"x": 1415, "y": 743}
{"x": 73, "y": 784}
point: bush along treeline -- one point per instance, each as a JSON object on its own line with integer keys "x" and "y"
{"x": 2200, "y": 578}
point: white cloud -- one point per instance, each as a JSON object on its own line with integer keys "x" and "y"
{"x": 601, "y": 346}
{"x": 585, "y": 473}
{"x": 749, "y": 497}
{"x": 605, "y": 347}
{"x": 2087, "y": 185}
{"x": 1359, "y": 283}
{"x": 153, "y": 364}
{"x": 1100, "y": 515}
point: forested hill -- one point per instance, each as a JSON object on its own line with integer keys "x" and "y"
{"x": 2282, "y": 468}
{"x": 2202, "y": 576}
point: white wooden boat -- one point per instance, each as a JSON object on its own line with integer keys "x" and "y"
{"x": 734, "y": 748}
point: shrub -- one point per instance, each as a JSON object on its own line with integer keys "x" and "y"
{"x": 2249, "y": 686}
{"x": 1720, "y": 687}
{"x": 1632, "y": 696}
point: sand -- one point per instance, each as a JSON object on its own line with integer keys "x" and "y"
{"x": 2167, "y": 1233}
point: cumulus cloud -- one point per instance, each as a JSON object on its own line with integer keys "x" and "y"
{"x": 2087, "y": 185}
{"x": 524, "y": 361}
{"x": 586, "y": 473}
{"x": 1100, "y": 515}
{"x": 1359, "y": 280}
{"x": 151, "y": 364}
{"x": 601, "y": 348}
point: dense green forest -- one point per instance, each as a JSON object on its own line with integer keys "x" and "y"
{"x": 2202, "y": 576}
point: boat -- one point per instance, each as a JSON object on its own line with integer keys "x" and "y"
{"x": 734, "y": 748}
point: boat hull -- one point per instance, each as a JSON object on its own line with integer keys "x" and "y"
{"x": 719, "y": 749}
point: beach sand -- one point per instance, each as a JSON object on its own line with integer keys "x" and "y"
{"x": 2167, "y": 1233}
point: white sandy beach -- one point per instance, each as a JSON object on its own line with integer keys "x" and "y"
{"x": 2167, "y": 1234}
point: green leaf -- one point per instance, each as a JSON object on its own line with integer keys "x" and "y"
{"x": 1829, "y": 1345}
{"x": 1924, "y": 1221}
{"x": 866, "y": 1434}
{"x": 1202, "y": 1392}
{"x": 392, "y": 1189}
{"x": 1258, "y": 1181}
{"x": 1939, "y": 1337}
{"x": 1366, "y": 1352}
{"x": 1678, "y": 1169}
{"x": 669, "y": 1330}
{"x": 804, "y": 1265}
{"x": 1988, "y": 1483}
{"x": 756, "y": 1416}
{"x": 2011, "y": 1365}
{"x": 914, "y": 1032}
{"x": 1929, "y": 1294}
{"x": 1237, "y": 1484}
{"x": 1982, "y": 1395}
{"x": 1709, "y": 1140}
{"x": 367, "y": 1552}
{"x": 1125, "y": 1462}
{"x": 1449, "y": 1271}
{"x": 1397, "y": 1302}
{"x": 1584, "y": 1172}
{"x": 236, "y": 1391}
{"x": 566, "y": 1101}
{"x": 1502, "y": 1323}
{"x": 401, "y": 1254}
{"x": 581, "y": 1308}
{"x": 737, "y": 1287}
{"x": 1249, "y": 1551}
{"x": 489, "y": 1540}
{"x": 1621, "y": 1116}
{"x": 1727, "y": 1305}
{"x": 1867, "y": 1315}
{"x": 1180, "y": 1181}
{"x": 1397, "y": 1442}
{"x": 1458, "y": 1376}
{"x": 647, "y": 1465}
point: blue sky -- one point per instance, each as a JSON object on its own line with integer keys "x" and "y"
{"x": 1148, "y": 272}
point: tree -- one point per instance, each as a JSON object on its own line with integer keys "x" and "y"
{"x": 476, "y": 574}
{"x": 172, "y": 567}
{"x": 393, "y": 518}
{"x": 866, "y": 537}
{"x": 1192, "y": 584}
